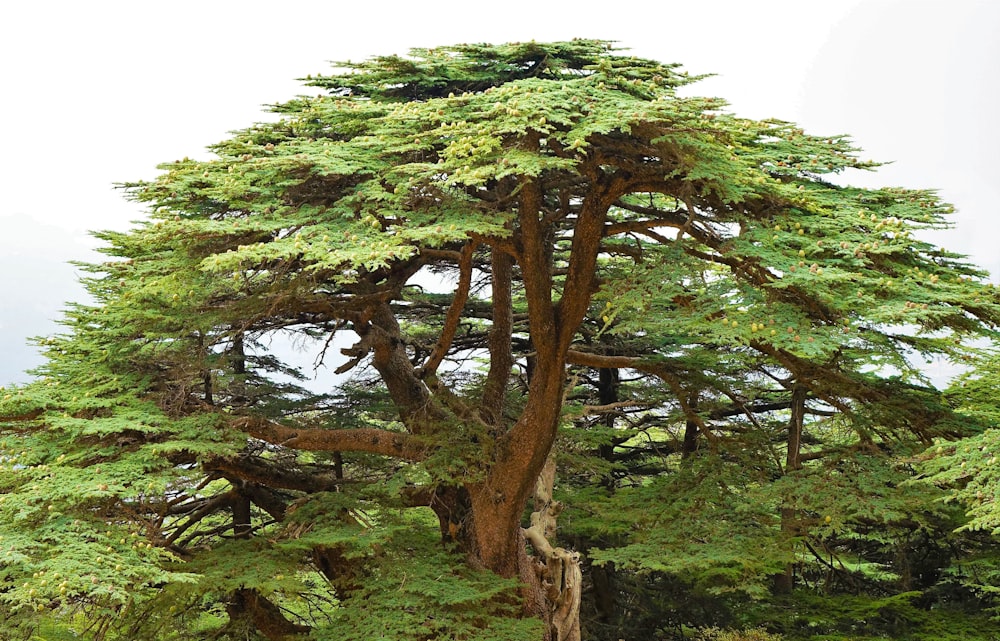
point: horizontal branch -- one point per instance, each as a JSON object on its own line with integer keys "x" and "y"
{"x": 371, "y": 440}
{"x": 19, "y": 418}
{"x": 758, "y": 408}
{"x": 588, "y": 359}
{"x": 613, "y": 229}
{"x": 590, "y": 410}
{"x": 255, "y": 470}
{"x": 450, "y": 255}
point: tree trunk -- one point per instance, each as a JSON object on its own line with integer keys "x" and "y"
{"x": 522, "y": 466}
{"x": 489, "y": 523}
{"x": 784, "y": 582}
{"x": 607, "y": 393}
{"x": 242, "y": 527}
{"x": 238, "y": 359}
{"x": 551, "y": 575}
{"x": 690, "y": 444}
{"x": 603, "y": 577}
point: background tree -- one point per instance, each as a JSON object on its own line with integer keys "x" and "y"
{"x": 670, "y": 304}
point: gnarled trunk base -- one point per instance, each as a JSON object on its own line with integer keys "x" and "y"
{"x": 558, "y": 569}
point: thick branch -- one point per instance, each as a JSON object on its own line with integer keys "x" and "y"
{"x": 501, "y": 358}
{"x": 598, "y": 361}
{"x": 579, "y": 284}
{"x": 757, "y": 408}
{"x": 374, "y": 441}
{"x": 590, "y": 410}
{"x": 255, "y": 470}
{"x": 29, "y": 416}
{"x": 268, "y": 500}
{"x": 643, "y": 225}
{"x": 454, "y": 314}
{"x": 408, "y": 392}
{"x": 536, "y": 271}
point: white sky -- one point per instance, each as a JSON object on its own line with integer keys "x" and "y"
{"x": 99, "y": 92}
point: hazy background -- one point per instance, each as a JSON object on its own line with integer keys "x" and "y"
{"x": 101, "y": 92}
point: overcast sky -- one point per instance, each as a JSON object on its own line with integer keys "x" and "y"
{"x": 99, "y": 92}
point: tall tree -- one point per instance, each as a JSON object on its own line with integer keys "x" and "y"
{"x": 171, "y": 469}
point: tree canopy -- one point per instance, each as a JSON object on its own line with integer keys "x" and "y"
{"x": 571, "y": 310}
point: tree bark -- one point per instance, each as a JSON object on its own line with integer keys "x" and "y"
{"x": 607, "y": 394}
{"x": 241, "y": 514}
{"x": 784, "y": 582}
{"x": 501, "y": 358}
{"x": 691, "y": 430}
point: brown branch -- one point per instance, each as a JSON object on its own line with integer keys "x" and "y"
{"x": 501, "y": 358}
{"x": 663, "y": 240}
{"x": 614, "y": 229}
{"x": 691, "y": 213}
{"x": 598, "y": 361}
{"x": 536, "y": 271}
{"x": 587, "y": 235}
{"x": 589, "y": 410}
{"x": 814, "y": 456}
{"x": 748, "y": 410}
{"x": 454, "y": 314}
{"x": 410, "y": 395}
{"x": 17, "y": 418}
{"x": 374, "y": 441}
{"x": 216, "y": 503}
{"x": 255, "y": 470}
{"x": 268, "y": 500}
{"x": 441, "y": 254}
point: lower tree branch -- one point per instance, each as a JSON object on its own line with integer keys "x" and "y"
{"x": 216, "y": 503}
{"x": 258, "y": 471}
{"x": 375, "y": 441}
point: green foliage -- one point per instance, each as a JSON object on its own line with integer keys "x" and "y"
{"x": 420, "y": 591}
{"x": 898, "y": 616}
{"x": 968, "y": 467}
{"x": 756, "y": 634}
{"x": 696, "y": 524}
